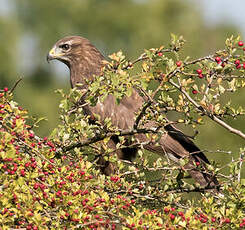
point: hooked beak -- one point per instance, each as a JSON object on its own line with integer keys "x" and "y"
{"x": 51, "y": 55}
{"x": 54, "y": 53}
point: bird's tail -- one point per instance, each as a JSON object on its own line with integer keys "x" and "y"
{"x": 201, "y": 175}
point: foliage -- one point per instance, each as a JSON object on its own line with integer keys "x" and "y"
{"x": 54, "y": 183}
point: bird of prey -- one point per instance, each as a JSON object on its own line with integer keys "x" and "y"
{"x": 85, "y": 62}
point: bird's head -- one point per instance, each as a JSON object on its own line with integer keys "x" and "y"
{"x": 68, "y": 49}
{"x": 83, "y": 59}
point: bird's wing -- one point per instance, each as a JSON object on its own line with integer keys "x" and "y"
{"x": 122, "y": 115}
{"x": 186, "y": 143}
{"x": 174, "y": 149}
{"x": 173, "y": 142}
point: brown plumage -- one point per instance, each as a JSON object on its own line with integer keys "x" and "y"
{"x": 85, "y": 62}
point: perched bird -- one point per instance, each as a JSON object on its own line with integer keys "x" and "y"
{"x": 85, "y": 62}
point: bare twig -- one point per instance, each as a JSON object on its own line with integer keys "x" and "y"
{"x": 217, "y": 151}
{"x": 143, "y": 57}
{"x": 208, "y": 86}
{"x": 15, "y": 85}
{"x": 210, "y": 57}
{"x": 240, "y": 166}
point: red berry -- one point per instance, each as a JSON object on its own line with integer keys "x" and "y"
{"x": 243, "y": 65}
{"x": 194, "y": 91}
{"x": 30, "y": 214}
{"x": 180, "y": 213}
{"x": 199, "y": 71}
{"x": 197, "y": 163}
{"x": 240, "y": 43}
{"x": 6, "y": 89}
{"x": 218, "y": 59}
{"x": 159, "y": 54}
{"x": 36, "y": 186}
{"x": 67, "y": 214}
{"x": 213, "y": 219}
{"x": 237, "y": 62}
{"x": 239, "y": 66}
{"x": 33, "y": 159}
{"x": 22, "y": 172}
{"x": 200, "y": 76}
{"x": 75, "y": 211}
{"x": 69, "y": 203}
{"x": 172, "y": 217}
{"x": 227, "y": 220}
{"x": 51, "y": 160}
{"x": 203, "y": 220}
{"x": 178, "y": 63}
{"x": 4, "y": 166}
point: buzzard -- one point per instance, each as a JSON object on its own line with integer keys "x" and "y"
{"x": 85, "y": 62}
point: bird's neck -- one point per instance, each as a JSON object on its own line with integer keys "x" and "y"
{"x": 83, "y": 71}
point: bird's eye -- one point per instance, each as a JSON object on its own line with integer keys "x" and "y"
{"x": 64, "y": 46}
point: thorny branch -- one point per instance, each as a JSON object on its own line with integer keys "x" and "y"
{"x": 100, "y": 137}
{"x": 211, "y": 116}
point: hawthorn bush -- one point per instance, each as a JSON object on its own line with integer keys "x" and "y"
{"x": 55, "y": 183}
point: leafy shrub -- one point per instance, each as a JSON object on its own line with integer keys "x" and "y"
{"x": 55, "y": 183}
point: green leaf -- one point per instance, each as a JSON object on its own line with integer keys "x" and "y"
{"x": 221, "y": 89}
{"x": 20, "y": 181}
